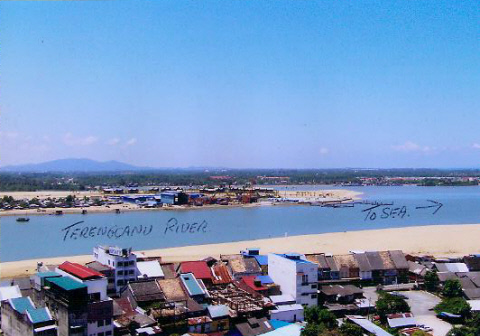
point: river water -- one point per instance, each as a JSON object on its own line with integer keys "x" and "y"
{"x": 50, "y": 236}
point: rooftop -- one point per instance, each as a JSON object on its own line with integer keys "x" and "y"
{"x": 218, "y": 311}
{"x": 21, "y": 304}
{"x": 80, "y": 271}
{"x": 150, "y": 269}
{"x": 192, "y": 285}
{"x": 67, "y": 283}
{"x": 199, "y": 268}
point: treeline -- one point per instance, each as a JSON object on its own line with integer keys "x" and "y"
{"x": 83, "y": 181}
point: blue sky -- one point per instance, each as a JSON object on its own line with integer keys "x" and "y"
{"x": 294, "y": 84}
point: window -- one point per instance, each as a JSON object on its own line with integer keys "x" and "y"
{"x": 100, "y": 323}
{"x": 109, "y": 262}
{"x": 108, "y": 333}
{"x": 101, "y": 334}
{"x": 108, "y": 322}
{"x": 314, "y": 296}
{"x": 314, "y": 286}
{"x": 120, "y": 264}
{"x": 130, "y": 262}
{"x": 119, "y": 282}
{"x": 120, "y": 273}
{"x": 130, "y": 272}
{"x": 304, "y": 278}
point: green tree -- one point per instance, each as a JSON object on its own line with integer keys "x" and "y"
{"x": 452, "y": 288}
{"x": 320, "y": 316}
{"x": 461, "y": 331}
{"x": 431, "y": 281}
{"x": 456, "y": 305}
{"x": 312, "y": 329}
{"x": 350, "y": 329}
{"x": 420, "y": 333}
{"x": 390, "y": 304}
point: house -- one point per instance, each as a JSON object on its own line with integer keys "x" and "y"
{"x": 150, "y": 270}
{"x": 473, "y": 262}
{"x": 200, "y": 324}
{"x": 340, "y": 293}
{"x": 296, "y": 276}
{"x": 220, "y": 274}
{"x": 21, "y": 317}
{"x": 9, "y": 292}
{"x": 255, "y": 284}
{"x": 401, "y": 320}
{"x": 254, "y": 326}
{"x": 220, "y": 315}
{"x": 324, "y": 268}
{"x": 451, "y": 267}
{"x": 347, "y": 266}
{"x": 368, "y": 326}
{"x": 288, "y": 313}
{"x": 364, "y": 267}
{"x": 240, "y": 266}
{"x": 383, "y": 268}
{"x": 198, "y": 268}
{"x": 417, "y": 271}
{"x": 195, "y": 287}
{"x": 146, "y": 294}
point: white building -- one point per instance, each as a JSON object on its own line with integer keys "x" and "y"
{"x": 123, "y": 261}
{"x": 297, "y": 277}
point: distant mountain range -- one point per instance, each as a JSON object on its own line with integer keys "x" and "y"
{"x": 74, "y": 165}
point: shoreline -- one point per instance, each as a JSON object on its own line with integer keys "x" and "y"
{"x": 436, "y": 240}
{"x": 333, "y": 195}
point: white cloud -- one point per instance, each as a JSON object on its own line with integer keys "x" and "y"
{"x": 113, "y": 141}
{"x": 323, "y": 150}
{"x": 8, "y": 135}
{"x": 71, "y": 140}
{"x": 476, "y": 146}
{"x": 410, "y": 146}
{"x": 132, "y": 141}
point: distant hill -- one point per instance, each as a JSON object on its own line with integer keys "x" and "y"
{"x": 73, "y": 165}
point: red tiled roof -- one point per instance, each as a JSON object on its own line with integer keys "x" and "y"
{"x": 80, "y": 271}
{"x": 249, "y": 280}
{"x": 198, "y": 268}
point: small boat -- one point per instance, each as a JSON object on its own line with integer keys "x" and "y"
{"x": 23, "y": 219}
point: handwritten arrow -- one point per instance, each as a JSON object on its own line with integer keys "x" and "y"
{"x": 435, "y": 204}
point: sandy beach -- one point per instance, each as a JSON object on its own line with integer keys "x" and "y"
{"x": 318, "y": 195}
{"x": 437, "y": 240}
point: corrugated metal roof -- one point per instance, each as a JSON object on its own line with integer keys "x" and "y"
{"x": 220, "y": 274}
{"x": 262, "y": 260}
{"x": 9, "y": 292}
{"x": 47, "y": 274}
{"x": 67, "y": 283}
{"x": 289, "y": 330}
{"x": 151, "y": 269}
{"x": 368, "y": 326}
{"x": 265, "y": 279}
{"x": 199, "y": 268}
{"x": 39, "y": 315}
{"x": 21, "y": 304}
{"x": 218, "y": 311}
{"x": 401, "y": 320}
{"x": 80, "y": 271}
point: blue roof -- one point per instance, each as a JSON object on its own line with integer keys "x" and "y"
{"x": 265, "y": 279}
{"x": 192, "y": 284}
{"x": 67, "y": 283}
{"x": 262, "y": 260}
{"x": 39, "y": 315}
{"x": 48, "y": 274}
{"x": 278, "y": 324}
{"x": 21, "y": 304}
{"x": 218, "y": 311}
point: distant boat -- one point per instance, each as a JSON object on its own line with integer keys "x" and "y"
{"x": 23, "y": 219}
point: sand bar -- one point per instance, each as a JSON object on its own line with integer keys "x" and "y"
{"x": 437, "y": 240}
{"x": 317, "y": 195}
